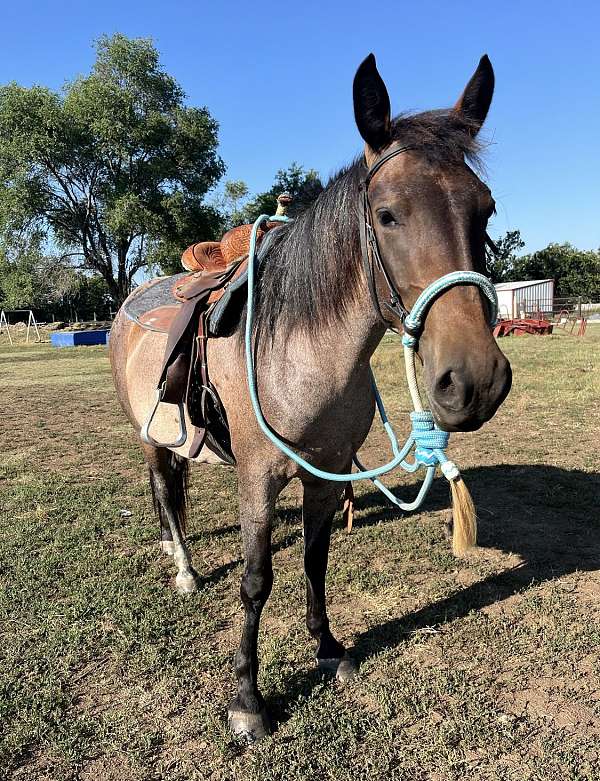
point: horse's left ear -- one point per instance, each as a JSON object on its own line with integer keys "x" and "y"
{"x": 475, "y": 101}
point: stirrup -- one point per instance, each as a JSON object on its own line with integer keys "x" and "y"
{"x": 145, "y": 432}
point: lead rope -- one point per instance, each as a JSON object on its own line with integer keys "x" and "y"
{"x": 429, "y": 441}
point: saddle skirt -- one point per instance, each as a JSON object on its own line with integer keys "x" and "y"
{"x": 190, "y": 308}
{"x": 155, "y": 304}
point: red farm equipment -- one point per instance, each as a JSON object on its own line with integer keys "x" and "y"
{"x": 519, "y": 327}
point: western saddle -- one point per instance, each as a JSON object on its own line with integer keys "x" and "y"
{"x": 206, "y": 302}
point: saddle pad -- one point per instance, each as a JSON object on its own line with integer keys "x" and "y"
{"x": 152, "y": 305}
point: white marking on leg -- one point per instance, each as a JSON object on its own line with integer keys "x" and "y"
{"x": 186, "y": 580}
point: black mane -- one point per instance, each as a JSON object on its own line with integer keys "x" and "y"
{"x": 313, "y": 265}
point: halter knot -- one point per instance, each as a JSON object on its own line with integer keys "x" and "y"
{"x": 428, "y": 439}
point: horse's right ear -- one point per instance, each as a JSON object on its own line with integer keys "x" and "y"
{"x": 372, "y": 106}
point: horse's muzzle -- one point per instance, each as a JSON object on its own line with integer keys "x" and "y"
{"x": 463, "y": 399}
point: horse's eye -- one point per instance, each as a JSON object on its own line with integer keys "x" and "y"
{"x": 386, "y": 218}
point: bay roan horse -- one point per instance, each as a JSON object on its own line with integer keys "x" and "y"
{"x": 316, "y": 329}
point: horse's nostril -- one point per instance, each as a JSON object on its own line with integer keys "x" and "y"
{"x": 453, "y": 391}
{"x": 445, "y": 383}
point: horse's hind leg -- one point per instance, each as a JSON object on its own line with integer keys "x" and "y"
{"x": 168, "y": 480}
{"x": 319, "y": 504}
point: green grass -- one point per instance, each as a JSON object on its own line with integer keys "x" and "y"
{"x": 484, "y": 668}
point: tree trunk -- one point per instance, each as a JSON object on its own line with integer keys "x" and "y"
{"x": 124, "y": 287}
{"x": 119, "y": 287}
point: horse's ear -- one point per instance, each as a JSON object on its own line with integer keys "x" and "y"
{"x": 372, "y": 105}
{"x": 475, "y": 101}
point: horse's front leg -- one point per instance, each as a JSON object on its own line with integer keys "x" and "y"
{"x": 248, "y": 715}
{"x": 320, "y": 502}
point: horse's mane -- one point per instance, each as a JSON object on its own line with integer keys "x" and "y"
{"x": 313, "y": 266}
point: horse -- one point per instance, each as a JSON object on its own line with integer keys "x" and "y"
{"x": 320, "y": 313}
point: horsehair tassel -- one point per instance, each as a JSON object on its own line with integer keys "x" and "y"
{"x": 348, "y": 512}
{"x": 464, "y": 517}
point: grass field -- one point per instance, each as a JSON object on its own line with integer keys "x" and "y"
{"x": 483, "y": 668}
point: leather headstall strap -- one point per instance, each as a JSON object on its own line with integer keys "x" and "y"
{"x": 370, "y": 248}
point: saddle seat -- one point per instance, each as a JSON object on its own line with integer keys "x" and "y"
{"x": 154, "y": 305}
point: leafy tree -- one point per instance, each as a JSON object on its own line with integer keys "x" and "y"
{"x": 502, "y": 262}
{"x": 304, "y": 187}
{"x": 235, "y": 192}
{"x": 20, "y": 280}
{"x": 575, "y": 272}
{"x": 49, "y": 285}
{"x": 115, "y": 166}
{"x": 230, "y": 203}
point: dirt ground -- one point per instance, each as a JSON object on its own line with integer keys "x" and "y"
{"x": 482, "y": 668}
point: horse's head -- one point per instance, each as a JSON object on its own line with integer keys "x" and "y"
{"x": 429, "y": 213}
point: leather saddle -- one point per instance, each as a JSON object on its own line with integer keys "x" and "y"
{"x": 190, "y": 308}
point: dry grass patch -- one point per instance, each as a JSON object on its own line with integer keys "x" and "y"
{"x": 485, "y": 668}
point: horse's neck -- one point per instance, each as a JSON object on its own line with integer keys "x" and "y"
{"x": 343, "y": 343}
{"x": 334, "y": 353}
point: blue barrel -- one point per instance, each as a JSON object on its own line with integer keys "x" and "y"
{"x": 76, "y": 338}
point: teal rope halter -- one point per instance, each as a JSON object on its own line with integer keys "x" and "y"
{"x": 429, "y": 441}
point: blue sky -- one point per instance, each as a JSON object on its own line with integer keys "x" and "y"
{"x": 278, "y": 77}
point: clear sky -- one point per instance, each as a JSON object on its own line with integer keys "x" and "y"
{"x": 278, "y": 78}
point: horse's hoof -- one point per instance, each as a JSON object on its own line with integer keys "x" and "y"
{"x": 167, "y": 547}
{"x": 186, "y": 583}
{"x": 249, "y": 726}
{"x": 344, "y": 668}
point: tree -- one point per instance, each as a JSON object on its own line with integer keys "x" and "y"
{"x": 115, "y": 166}
{"x": 502, "y": 262}
{"x": 30, "y": 279}
{"x": 304, "y": 187}
{"x": 575, "y": 272}
{"x": 21, "y": 283}
{"x": 235, "y": 192}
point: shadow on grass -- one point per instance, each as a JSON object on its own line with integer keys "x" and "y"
{"x": 548, "y": 516}
{"x": 286, "y": 517}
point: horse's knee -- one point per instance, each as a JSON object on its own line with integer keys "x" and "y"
{"x": 256, "y": 586}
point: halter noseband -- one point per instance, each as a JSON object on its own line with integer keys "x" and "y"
{"x": 412, "y": 322}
